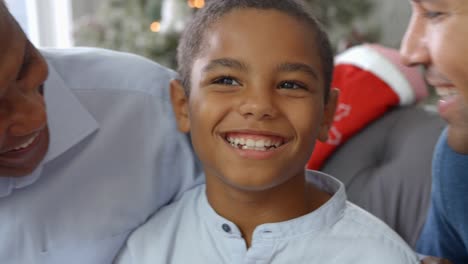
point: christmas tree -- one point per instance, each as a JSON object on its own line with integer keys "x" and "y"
{"x": 151, "y": 28}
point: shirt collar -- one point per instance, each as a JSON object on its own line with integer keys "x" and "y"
{"x": 69, "y": 123}
{"x": 320, "y": 219}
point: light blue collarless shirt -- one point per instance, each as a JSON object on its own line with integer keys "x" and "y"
{"x": 190, "y": 231}
{"x": 114, "y": 158}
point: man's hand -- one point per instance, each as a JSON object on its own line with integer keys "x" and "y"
{"x": 434, "y": 260}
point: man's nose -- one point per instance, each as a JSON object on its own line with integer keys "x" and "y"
{"x": 413, "y": 48}
{"x": 26, "y": 115}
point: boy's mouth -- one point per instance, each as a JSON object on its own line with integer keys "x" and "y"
{"x": 254, "y": 142}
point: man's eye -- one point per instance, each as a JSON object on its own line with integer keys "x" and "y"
{"x": 27, "y": 61}
{"x": 226, "y": 81}
{"x": 292, "y": 85}
{"x": 432, "y": 14}
{"x": 24, "y": 69}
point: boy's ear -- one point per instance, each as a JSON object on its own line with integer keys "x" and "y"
{"x": 179, "y": 102}
{"x": 328, "y": 114}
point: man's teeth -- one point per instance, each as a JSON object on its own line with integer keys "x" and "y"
{"x": 26, "y": 144}
{"x": 261, "y": 145}
{"x": 446, "y": 92}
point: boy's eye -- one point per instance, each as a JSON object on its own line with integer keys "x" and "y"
{"x": 226, "y": 80}
{"x": 292, "y": 85}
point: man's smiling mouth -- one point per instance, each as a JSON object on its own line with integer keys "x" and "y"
{"x": 446, "y": 92}
{"x": 24, "y": 145}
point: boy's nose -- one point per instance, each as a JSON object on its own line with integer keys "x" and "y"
{"x": 413, "y": 48}
{"x": 258, "y": 105}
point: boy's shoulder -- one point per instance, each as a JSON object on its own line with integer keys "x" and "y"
{"x": 373, "y": 236}
{"x": 360, "y": 236}
{"x": 365, "y": 224}
{"x": 170, "y": 217}
{"x": 85, "y": 68}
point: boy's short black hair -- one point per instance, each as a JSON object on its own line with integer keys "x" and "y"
{"x": 191, "y": 42}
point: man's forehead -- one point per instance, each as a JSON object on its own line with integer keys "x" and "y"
{"x": 7, "y": 31}
{"x": 11, "y": 46}
{"x": 6, "y": 19}
{"x": 3, "y": 8}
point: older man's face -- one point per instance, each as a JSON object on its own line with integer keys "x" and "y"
{"x": 24, "y": 137}
{"x": 436, "y": 38}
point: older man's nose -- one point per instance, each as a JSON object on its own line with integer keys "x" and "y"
{"x": 413, "y": 48}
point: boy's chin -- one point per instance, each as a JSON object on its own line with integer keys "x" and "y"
{"x": 255, "y": 183}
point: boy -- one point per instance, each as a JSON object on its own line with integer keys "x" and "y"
{"x": 255, "y": 96}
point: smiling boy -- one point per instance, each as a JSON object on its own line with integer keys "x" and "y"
{"x": 255, "y": 96}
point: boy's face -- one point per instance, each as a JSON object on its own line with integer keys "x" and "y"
{"x": 256, "y": 105}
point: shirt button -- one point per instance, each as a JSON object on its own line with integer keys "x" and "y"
{"x": 226, "y": 228}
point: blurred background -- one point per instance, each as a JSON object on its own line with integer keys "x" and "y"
{"x": 151, "y": 27}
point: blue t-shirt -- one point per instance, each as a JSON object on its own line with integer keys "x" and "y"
{"x": 445, "y": 233}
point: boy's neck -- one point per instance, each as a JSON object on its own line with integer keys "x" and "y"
{"x": 249, "y": 209}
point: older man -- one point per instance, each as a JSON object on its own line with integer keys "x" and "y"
{"x": 88, "y": 150}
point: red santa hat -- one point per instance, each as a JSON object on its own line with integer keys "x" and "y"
{"x": 372, "y": 80}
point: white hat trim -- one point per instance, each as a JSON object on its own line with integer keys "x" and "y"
{"x": 370, "y": 60}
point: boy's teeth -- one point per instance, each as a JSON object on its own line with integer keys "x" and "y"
{"x": 261, "y": 144}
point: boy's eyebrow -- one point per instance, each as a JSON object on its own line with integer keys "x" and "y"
{"x": 302, "y": 67}
{"x": 225, "y": 62}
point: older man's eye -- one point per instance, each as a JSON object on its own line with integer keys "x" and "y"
{"x": 432, "y": 14}
{"x": 27, "y": 61}
{"x": 292, "y": 85}
{"x": 226, "y": 80}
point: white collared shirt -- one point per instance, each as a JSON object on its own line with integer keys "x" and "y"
{"x": 190, "y": 231}
{"x": 114, "y": 158}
